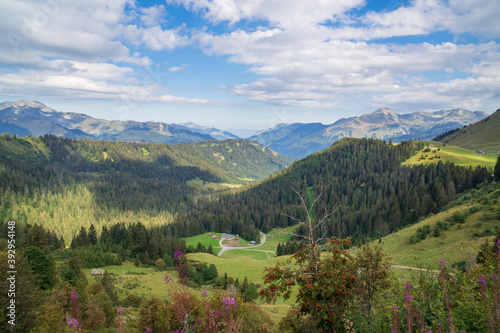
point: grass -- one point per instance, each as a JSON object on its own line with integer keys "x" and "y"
{"x": 453, "y": 154}
{"x": 276, "y": 236}
{"x": 483, "y": 135}
{"x": 460, "y": 242}
{"x": 205, "y": 239}
{"x": 248, "y": 254}
{"x": 204, "y": 185}
{"x": 144, "y": 282}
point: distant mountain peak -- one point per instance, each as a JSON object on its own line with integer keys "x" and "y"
{"x": 381, "y": 115}
{"x": 300, "y": 140}
{"x": 385, "y": 111}
{"x": 194, "y": 125}
{"x": 35, "y": 118}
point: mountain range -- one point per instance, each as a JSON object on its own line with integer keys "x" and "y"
{"x": 299, "y": 139}
{"x": 34, "y": 118}
{"x": 295, "y": 140}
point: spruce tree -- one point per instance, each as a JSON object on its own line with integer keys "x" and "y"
{"x": 109, "y": 287}
{"x": 92, "y": 235}
{"x": 41, "y": 267}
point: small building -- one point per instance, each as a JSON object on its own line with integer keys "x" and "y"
{"x": 227, "y": 236}
{"x": 97, "y": 271}
{"x": 252, "y": 243}
{"x": 215, "y": 237}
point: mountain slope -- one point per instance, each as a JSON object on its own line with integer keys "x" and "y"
{"x": 363, "y": 178}
{"x": 293, "y": 140}
{"x": 454, "y": 241}
{"x": 24, "y": 117}
{"x": 63, "y": 184}
{"x": 209, "y": 130}
{"x": 483, "y": 135}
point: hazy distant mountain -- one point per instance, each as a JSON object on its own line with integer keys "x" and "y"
{"x": 209, "y": 130}
{"x": 26, "y": 117}
{"x": 299, "y": 140}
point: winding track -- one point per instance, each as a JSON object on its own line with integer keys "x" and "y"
{"x": 229, "y": 248}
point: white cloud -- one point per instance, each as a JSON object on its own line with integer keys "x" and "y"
{"x": 306, "y": 69}
{"x": 82, "y": 80}
{"x": 154, "y": 38}
{"x": 153, "y": 15}
{"x": 281, "y": 13}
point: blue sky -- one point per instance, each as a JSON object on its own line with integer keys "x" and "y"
{"x": 239, "y": 64}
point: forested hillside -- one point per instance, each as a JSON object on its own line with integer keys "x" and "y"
{"x": 362, "y": 178}
{"x": 64, "y": 184}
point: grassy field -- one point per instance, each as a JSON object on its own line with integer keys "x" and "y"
{"x": 454, "y": 154}
{"x": 204, "y": 185}
{"x": 277, "y": 236}
{"x": 460, "y": 242}
{"x": 248, "y": 254}
{"x": 145, "y": 281}
{"x": 205, "y": 239}
{"x": 142, "y": 281}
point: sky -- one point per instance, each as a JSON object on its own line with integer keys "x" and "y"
{"x": 250, "y": 64}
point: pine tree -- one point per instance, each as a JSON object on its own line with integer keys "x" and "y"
{"x": 104, "y": 235}
{"x": 244, "y": 286}
{"x": 279, "y": 250}
{"x": 92, "y": 235}
{"x": 41, "y": 267}
{"x": 109, "y": 287}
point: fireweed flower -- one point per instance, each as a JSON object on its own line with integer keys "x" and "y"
{"x": 448, "y": 319}
{"x": 228, "y": 301}
{"x": 167, "y": 279}
{"x": 73, "y": 323}
{"x": 481, "y": 281}
{"x": 442, "y": 262}
{"x": 498, "y": 242}
{"x": 408, "y": 297}
{"x": 119, "y": 310}
{"x": 408, "y": 286}
{"x": 177, "y": 254}
{"x": 217, "y": 313}
{"x": 148, "y": 330}
{"x": 74, "y": 295}
{"x": 204, "y": 294}
{"x": 395, "y": 306}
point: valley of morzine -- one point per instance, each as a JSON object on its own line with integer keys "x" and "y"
{"x": 364, "y": 236}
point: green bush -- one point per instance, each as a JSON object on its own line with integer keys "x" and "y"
{"x": 458, "y": 217}
{"x": 133, "y": 301}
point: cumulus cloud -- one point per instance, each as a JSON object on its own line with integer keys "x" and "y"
{"x": 153, "y": 15}
{"x": 83, "y": 80}
{"x": 280, "y": 13}
{"x": 315, "y": 53}
{"x": 319, "y": 65}
{"x": 154, "y": 38}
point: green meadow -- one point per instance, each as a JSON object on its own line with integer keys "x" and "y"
{"x": 460, "y": 242}
{"x": 448, "y": 153}
{"x": 206, "y": 240}
{"x": 130, "y": 279}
